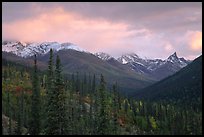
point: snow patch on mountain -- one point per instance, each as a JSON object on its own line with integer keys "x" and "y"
{"x": 150, "y": 64}
{"x": 29, "y": 49}
{"x": 124, "y": 61}
{"x": 153, "y": 66}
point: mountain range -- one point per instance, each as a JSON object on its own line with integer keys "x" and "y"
{"x": 29, "y": 49}
{"x": 183, "y": 87}
{"x": 130, "y": 71}
{"x": 74, "y": 60}
{"x": 154, "y": 68}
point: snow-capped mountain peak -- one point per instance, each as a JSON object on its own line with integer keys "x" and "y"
{"x": 150, "y": 66}
{"x": 128, "y": 58}
{"x": 29, "y": 49}
{"x": 103, "y": 56}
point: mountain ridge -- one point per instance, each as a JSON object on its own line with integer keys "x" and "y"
{"x": 74, "y": 61}
{"x": 29, "y": 49}
{"x": 185, "y": 86}
{"x": 156, "y": 69}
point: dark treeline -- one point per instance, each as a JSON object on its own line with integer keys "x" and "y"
{"x": 48, "y": 104}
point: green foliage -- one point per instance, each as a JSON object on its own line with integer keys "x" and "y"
{"x": 142, "y": 122}
{"x": 60, "y": 100}
{"x": 103, "y": 113}
{"x": 51, "y": 125}
{"x": 153, "y": 122}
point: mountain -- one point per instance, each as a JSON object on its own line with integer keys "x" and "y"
{"x": 29, "y": 49}
{"x": 185, "y": 86}
{"x": 77, "y": 59}
{"x": 111, "y": 60}
{"x": 74, "y": 60}
{"x": 155, "y": 68}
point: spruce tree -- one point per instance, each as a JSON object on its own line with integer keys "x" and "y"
{"x": 60, "y": 98}
{"x": 84, "y": 85}
{"x": 115, "y": 110}
{"x": 73, "y": 87}
{"x": 91, "y": 127}
{"x": 103, "y": 116}
{"x": 51, "y": 126}
{"x": 77, "y": 84}
{"x": 95, "y": 102}
{"x": 89, "y": 84}
{"x": 35, "y": 105}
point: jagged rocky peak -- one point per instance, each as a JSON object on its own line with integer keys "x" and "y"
{"x": 173, "y": 57}
{"x": 180, "y": 62}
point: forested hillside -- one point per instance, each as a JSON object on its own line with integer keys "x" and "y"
{"x": 184, "y": 88}
{"x": 47, "y": 103}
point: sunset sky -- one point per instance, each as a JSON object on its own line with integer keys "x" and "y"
{"x": 152, "y": 30}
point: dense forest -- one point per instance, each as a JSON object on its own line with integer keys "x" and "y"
{"x": 48, "y": 103}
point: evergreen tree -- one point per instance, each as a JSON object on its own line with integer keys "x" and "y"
{"x": 77, "y": 84}
{"x": 103, "y": 116}
{"x": 73, "y": 83}
{"x": 95, "y": 106}
{"x": 35, "y": 106}
{"x": 51, "y": 123}
{"x": 89, "y": 84}
{"x": 91, "y": 121}
{"x": 91, "y": 112}
{"x": 60, "y": 98}
{"x": 85, "y": 85}
{"x": 115, "y": 110}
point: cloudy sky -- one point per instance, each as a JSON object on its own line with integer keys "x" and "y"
{"x": 152, "y": 30}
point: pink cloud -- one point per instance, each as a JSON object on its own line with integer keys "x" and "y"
{"x": 193, "y": 39}
{"x": 94, "y": 35}
{"x": 61, "y": 26}
{"x": 196, "y": 41}
{"x": 168, "y": 47}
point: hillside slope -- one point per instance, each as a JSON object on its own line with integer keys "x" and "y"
{"x": 184, "y": 86}
{"x": 75, "y": 61}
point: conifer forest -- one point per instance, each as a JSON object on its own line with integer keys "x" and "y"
{"x": 36, "y": 102}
